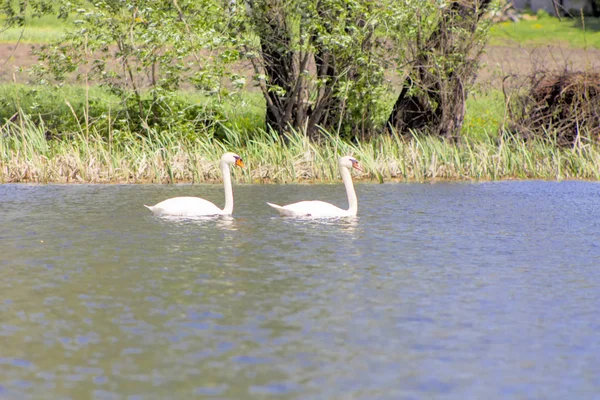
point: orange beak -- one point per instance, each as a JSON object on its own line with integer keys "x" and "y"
{"x": 239, "y": 163}
{"x": 355, "y": 166}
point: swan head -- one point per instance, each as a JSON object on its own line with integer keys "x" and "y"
{"x": 232, "y": 158}
{"x": 349, "y": 162}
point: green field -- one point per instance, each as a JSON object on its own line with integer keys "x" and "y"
{"x": 571, "y": 32}
{"x": 574, "y": 32}
{"x": 36, "y": 31}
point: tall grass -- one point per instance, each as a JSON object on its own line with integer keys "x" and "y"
{"x": 26, "y": 156}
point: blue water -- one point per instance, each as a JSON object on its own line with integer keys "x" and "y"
{"x": 449, "y": 291}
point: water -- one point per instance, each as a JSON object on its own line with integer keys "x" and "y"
{"x": 453, "y": 291}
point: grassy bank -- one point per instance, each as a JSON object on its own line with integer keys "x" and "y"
{"x": 26, "y": 156}
{"x": 96, "y": 149}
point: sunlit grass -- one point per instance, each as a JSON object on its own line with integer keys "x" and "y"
{"x": 548, "y": 31}
{"x": 35, "y": 31}
{"x": 30, "y": 35}
{"x": 484, "y": 114}
{"x": 26, "y": 156}
{"x": 55, "y": 105}
{"x": 90, "y": 154}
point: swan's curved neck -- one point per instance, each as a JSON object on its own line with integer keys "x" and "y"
{"x": 352, "y": 200}
{"x": 228, "y": 189}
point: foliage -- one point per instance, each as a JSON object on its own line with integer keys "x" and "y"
{"x": 69, "y": 109}
{"x": 572, "y": 32}
{"x": 142, "y": 52}
{"x": 318, "y": 63}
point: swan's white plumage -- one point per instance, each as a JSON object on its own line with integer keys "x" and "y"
{"x": 321, "y": 209}
{"x": 196, "y": 206}
{"x": 185, "y": 207}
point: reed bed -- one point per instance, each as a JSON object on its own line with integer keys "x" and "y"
{"x": 88, "y": 157}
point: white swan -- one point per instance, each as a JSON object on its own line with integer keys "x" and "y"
{"x": 195, "y": 206}
{"x": 321, "y": 209}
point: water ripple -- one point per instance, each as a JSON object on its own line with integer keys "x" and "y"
{"x": 454, "y": 291}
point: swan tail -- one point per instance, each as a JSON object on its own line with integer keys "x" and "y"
{"x": 281, "y": 210}
{"x": 154, "y": 209}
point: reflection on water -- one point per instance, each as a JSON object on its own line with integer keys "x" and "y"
{"x": 331, "y": 225}
{"x": 434, "y": 291}
{"x": 218, "y": 221}
{"x": 322, "y": 225}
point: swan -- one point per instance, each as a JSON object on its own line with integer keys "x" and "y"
{"x": 321, "y": 209}
{"x": 195, "y": 206}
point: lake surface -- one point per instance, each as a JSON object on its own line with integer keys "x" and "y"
{"x": 449, "y": 291}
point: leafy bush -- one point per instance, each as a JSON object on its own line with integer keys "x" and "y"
{"x": 70, "y": 109}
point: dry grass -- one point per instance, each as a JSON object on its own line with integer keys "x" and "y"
{"x": 564, "y": 103}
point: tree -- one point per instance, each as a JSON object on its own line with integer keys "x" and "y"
{"x": 314, "y": 62}
{"x": 442, "y": 70}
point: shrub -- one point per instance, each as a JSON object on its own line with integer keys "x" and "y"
{"x": 564, "y": 106}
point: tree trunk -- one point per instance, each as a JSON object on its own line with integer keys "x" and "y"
{"x": 295, "y": 98}
{"x": 595, "y": 8}
{"x": 280, "y": 64}
{"x": 436, "y": 103}
{"x": 278, "y": 67}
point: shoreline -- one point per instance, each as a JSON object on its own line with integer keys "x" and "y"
{"x": 303, "y": 181}
{"x": 306, "y": 182}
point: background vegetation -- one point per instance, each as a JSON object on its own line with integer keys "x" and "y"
{"x": 318, "y": 64}
{"x": 155, "y": 90}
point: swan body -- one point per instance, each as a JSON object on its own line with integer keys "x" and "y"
{"x": 186, "y": 207}
{"x": 321, "y": 209}
{"x": 196, "y": 206}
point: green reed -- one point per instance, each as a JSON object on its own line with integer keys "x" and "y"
{"x": 26, "y": 155}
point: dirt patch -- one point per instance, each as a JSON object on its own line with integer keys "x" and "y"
{"x": 13, "y": 57}
{"x": 499, "y": 61}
